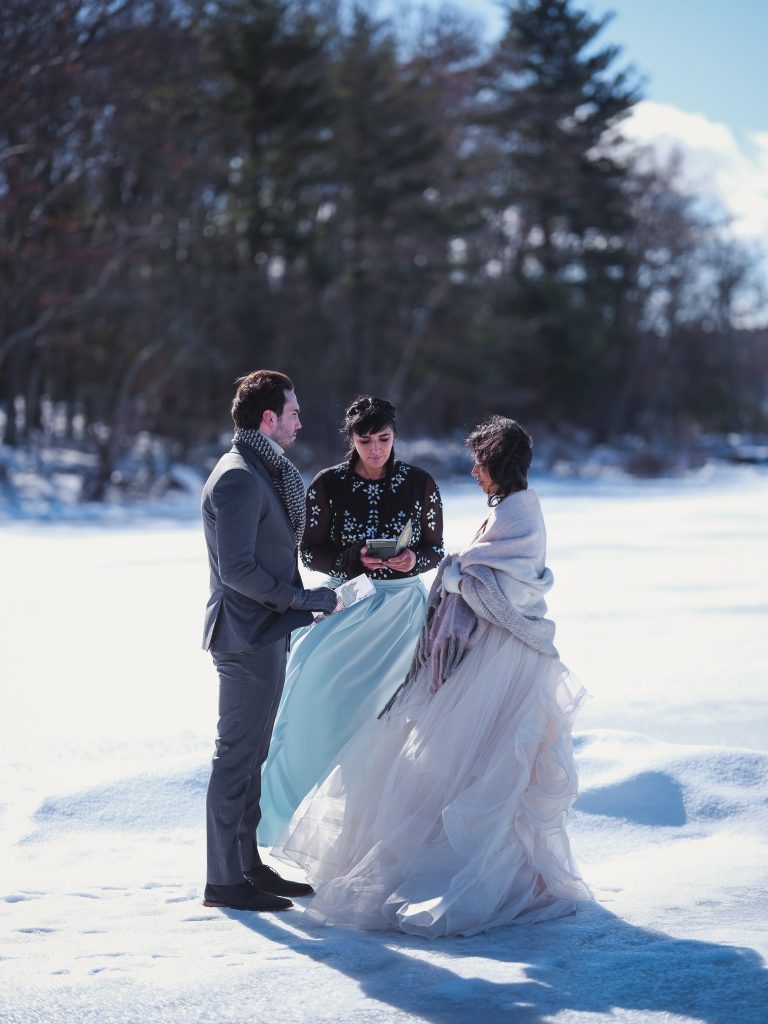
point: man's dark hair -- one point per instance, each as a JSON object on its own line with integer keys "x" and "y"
{"x": 503, "y": 448}
{"x": 257, "y": 392}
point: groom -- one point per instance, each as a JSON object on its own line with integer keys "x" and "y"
{"x": 253, "y": 517}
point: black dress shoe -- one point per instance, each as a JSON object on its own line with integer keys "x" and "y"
{"x": 267, "y": 879}
{"x": 243, "y": 896}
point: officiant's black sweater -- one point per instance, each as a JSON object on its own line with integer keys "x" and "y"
{"x": 343, "y": 510}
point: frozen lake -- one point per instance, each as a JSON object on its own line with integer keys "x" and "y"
{"x": 109, "y": 714}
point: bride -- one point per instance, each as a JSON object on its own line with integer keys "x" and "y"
{"x": 446, "y": 815}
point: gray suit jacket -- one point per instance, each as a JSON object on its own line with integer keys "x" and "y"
{"x": 252, "y": 554}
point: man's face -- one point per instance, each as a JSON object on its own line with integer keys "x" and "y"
{"x": 283, "y": 428}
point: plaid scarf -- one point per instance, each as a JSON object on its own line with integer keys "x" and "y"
{"x": 282, "y": 470}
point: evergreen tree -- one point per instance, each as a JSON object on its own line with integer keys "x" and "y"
{"x": 549, "y": 97}
{"x": 190, "y": 188}
{"x": 390, "y": 246}
{"x": 271, "y": 88}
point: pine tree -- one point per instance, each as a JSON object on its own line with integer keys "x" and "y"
{"x": 269, "y": 88}
{"x": 387, "y": 142}
{"x": 552, "y": 103}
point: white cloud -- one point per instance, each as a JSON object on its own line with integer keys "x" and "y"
{"x": 713, "y": 162}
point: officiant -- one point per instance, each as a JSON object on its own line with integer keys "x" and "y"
{"x": 342, "y": 669}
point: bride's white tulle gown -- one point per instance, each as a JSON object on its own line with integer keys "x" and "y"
{"x": 447, "y": 816}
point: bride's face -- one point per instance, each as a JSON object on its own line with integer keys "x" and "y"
{"x": 483, "y": 477}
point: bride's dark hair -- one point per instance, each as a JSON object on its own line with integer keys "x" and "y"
{"x": 503, "y": 448}
{"x": 368, "y": 415}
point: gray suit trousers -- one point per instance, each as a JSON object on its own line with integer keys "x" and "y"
{"x": 250, "y": 686}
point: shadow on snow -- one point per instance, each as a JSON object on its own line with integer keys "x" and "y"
{"x": 591, "y": 962}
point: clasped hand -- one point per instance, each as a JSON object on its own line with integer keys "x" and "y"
{"x": 403, "y": 562}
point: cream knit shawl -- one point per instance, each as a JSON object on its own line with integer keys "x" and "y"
{"x": 503, "y": 580}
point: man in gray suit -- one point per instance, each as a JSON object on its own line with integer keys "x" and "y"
{"x": 253, "y": 517}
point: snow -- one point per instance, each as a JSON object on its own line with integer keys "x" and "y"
{"x": 109, "y": 711}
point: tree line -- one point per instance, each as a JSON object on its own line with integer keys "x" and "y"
{"x": 191, "y": 189}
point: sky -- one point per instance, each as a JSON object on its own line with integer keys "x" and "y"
{"x": 703, "y": 63}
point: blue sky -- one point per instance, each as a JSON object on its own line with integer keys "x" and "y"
{"x": 704, "y": 56}
{"x": 705, "y": 70}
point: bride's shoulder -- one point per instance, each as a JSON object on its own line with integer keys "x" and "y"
{"x": 518, "y": 509}
{"x": 518, "y": 500}
{"x": 530, "y": 497}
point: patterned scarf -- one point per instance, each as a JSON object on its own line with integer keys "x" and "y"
{"x": 287, "y": 477}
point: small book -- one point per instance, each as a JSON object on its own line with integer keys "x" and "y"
{"x": 354, "y": 590}
{"x": 349, "y": 593}
{"x": 388, "y": 547}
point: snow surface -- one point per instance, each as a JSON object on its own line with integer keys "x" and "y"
{"x": 109, "y": 712}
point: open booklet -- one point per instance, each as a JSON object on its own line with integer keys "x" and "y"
{"x": 349, "y": 593}
{"x": 388, "y": 547}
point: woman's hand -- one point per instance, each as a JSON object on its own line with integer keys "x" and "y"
{"x": 452, "y": 577}
{"x": 403, "y": 562}
{"x": 371, "y": 562}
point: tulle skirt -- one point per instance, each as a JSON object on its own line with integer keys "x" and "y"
{"x": 340, "y": 673}
{"x": 448, "y": 816}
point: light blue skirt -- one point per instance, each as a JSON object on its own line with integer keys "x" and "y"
{"x": 341, "y": 672}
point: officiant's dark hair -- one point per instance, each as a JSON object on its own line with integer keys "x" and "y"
{"x": 257, "y": 392}
{"x": 503, "y": 448}
{"x": 368, "y": 415}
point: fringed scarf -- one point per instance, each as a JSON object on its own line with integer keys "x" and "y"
{"x": 503, "y": 582}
